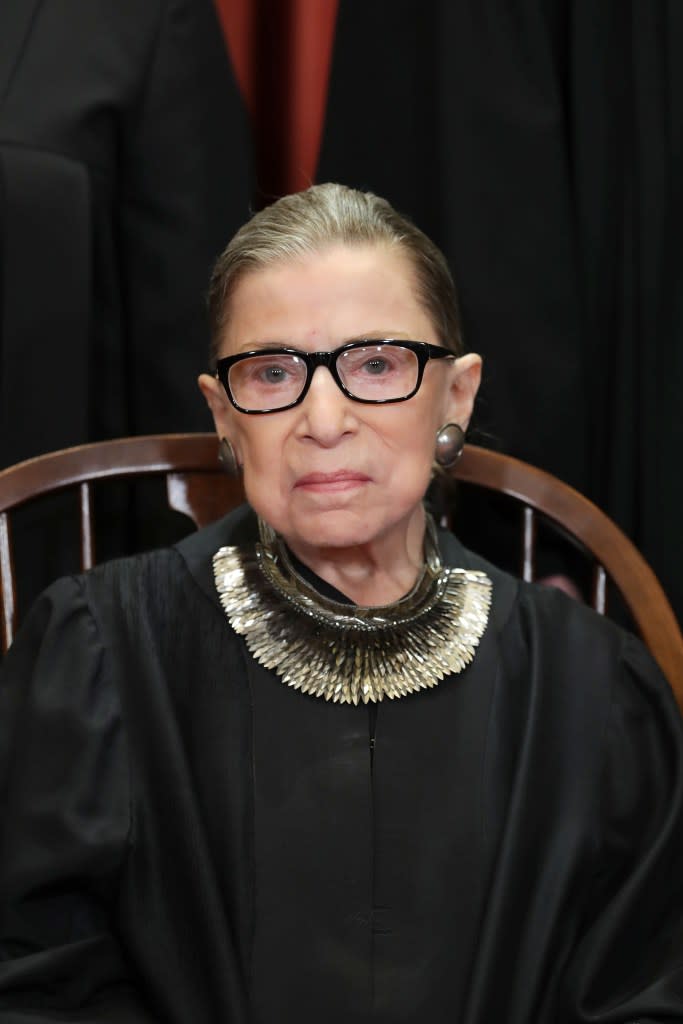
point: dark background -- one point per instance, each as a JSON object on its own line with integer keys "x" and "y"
{"x": 540, "y": 143}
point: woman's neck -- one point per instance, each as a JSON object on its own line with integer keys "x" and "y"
{"x": 373, "y": 574}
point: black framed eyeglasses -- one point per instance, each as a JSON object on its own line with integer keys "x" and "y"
{"x": 375, "y": 372}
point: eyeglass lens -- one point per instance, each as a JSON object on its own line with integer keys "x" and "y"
{"x": 370, "y": 372}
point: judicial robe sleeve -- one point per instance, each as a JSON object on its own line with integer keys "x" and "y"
{"x": 627, "y": 962}
{"x": 64, "y": 809}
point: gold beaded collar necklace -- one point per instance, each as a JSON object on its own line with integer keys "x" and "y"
{"x": 344, "y": 652}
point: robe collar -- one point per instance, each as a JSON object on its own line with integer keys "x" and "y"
{"x": 240, "y": 527}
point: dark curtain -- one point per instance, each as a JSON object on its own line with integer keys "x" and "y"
{"x": 540, "y": 144}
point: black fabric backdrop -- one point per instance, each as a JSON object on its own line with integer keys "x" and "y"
{"x": 124, "y": 168}
{"x": 541, "y": 145}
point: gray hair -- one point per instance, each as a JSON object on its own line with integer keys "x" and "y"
{"x": 307, "y": 222}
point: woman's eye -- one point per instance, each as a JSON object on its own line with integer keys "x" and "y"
{"x": 264, "y": 374}
{"x": 273, "y": 374}
{"x": 376, "y": 366}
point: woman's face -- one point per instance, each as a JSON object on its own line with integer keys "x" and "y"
{"x": 331, "y": 472}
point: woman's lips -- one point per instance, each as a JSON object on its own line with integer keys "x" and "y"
{"x": 342, "y": 480}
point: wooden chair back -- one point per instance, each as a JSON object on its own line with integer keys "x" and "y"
{"x": 198, "y": 488}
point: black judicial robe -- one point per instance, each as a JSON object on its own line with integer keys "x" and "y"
{"x": 185, "y": 839}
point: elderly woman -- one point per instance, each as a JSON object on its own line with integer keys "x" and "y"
{"x": 213, "y": 813}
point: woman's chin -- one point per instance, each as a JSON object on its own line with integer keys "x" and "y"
{"x": 314, "y": 524}
{"x": 330, "y": 529}
{"x": 343, "y": 528}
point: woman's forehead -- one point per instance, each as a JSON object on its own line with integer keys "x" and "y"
{"x": 336, "y": 257}
{"x": 339, "y": 293}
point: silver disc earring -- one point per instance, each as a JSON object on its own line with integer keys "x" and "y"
{"x": 227, "y": 458}
{"x": 450, "y": 442}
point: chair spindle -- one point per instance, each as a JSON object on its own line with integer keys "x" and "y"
{"x": 599, "y": 595}
{"x": 87, "y": 537}
{"x": 7, "y": 582}
{"x": 529, "y": 544}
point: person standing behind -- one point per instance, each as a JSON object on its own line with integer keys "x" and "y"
{"x": 123, "y": 167}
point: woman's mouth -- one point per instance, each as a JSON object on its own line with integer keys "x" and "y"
{"x": 341, "y": 480}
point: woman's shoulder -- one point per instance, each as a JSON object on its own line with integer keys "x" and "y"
{"x": 514, "y": 600}
{"x": 538, "y": 625}
{"x": 153, "y": 591}
{"x": 168, "y": 571}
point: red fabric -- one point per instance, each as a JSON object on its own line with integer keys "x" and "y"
{"x": 281, "y": 51}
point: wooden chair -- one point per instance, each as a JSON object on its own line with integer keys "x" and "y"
{"x": 197, "y": 487}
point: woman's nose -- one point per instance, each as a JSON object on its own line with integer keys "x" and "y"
{"x": 327, "y": 413}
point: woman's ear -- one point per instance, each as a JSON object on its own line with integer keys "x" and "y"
{"x": 464, "y": 385}
{"x": 218, "y": 403}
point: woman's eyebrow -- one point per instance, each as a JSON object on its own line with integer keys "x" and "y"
{"x": 379, "y": 336}
{"x": 372, "y": 335}
{"x": 253, "y": 346}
